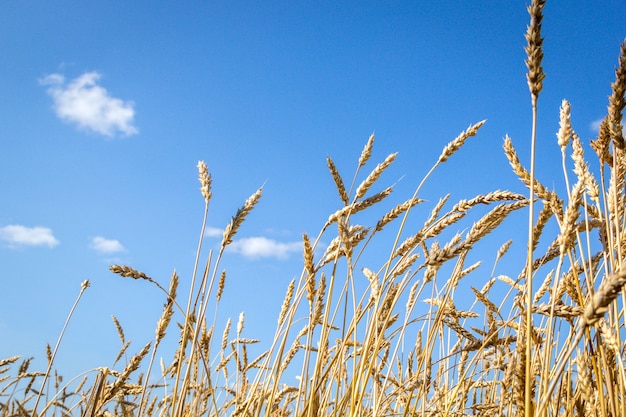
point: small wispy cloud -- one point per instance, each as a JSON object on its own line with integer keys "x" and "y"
{"x": 595, "y": 125}
{"x": 262, "y": 247}
{"x": 106, "y": 246}
{"x": 213, "y": 232}
{"x": 17, "y": 235}
{"x": 88, "y": 105}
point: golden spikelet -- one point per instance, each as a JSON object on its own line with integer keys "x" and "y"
{"x": 205, "y": 181}
{"x": 239, "y": 217}
{"x": 132, "y": 366}
{"x": 286, "y": 302}
{"x": 485, "y": 301}
{"x": 372, "y": 277}
{"x": 309, "y": 268}
{"x": 456, "y": 144}
{"x": 412, "y": 295}
{"x": 599, "y": 303}
{"x": 358, "y": 206}
{"x": 240, "y": 323}
{"x": 558, "y": 310}
{"x": 545, "y": 285}
{"x": 601, "y": 144}
{"x": 220, "y": 286}
{"x": 338, "y": 181}
{"x": 225, "y": 334}
{"x": 367, "y": 152}
{"x": 395, "y": 212}
{"x": 567, "y": 236}
{"x": 617, "y": 101}
{"x": 490, "y": 221}
{"x": 504, "y": 249}
{"x": 464, "y": 205}
{"x": 373, "y": 176}
{"x": 534, "y": 49}
{"x": 404, "y": 264}
{"x": 127, "y": 271}
{"x": 168, "y": 309}
{"x": 565, "y": 126}
{"x": 120, "y": 330}
{"x": 581, "y": 169}
{"x": 320, "y": 294}
{"x": 540, "y": 190}
{"x": 8, "y": 361}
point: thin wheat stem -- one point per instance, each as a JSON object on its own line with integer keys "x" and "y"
{"x": 83, "y": 286}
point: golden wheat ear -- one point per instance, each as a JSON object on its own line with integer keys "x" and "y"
{"x": 617, "y": 101}
{"x": 239, "y": 217}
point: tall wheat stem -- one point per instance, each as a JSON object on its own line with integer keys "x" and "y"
{"x": 85, "y": 284}
{"x": 535, "y": 78}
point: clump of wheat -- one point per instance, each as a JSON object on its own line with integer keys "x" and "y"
{"x": 411, "y": 334}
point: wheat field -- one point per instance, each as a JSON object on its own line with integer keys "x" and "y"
{"x": 397, "y": 337}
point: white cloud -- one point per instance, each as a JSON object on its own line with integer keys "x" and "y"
{"x": 262, "y": 247}
{"x": 18, "y": 235}
{"x": 106, "y": 246}
{"x": 595, "y": 125}
{"x": 88, "y": 105}
{"x": 213, "y": 232}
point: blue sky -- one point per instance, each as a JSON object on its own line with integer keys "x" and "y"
{"x": 107, "y": 106}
